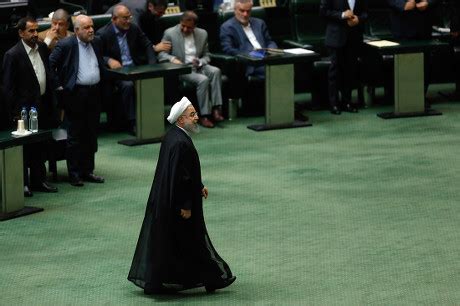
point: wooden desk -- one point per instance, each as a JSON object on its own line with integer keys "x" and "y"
{"x": 149, "y": 87}
{"x": 409, "y": 80}
{"x": 279, "y": 89}
{"x": 12, "y": 174}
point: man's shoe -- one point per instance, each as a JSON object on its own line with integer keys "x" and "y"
{"x": 93, "y": 178}
{"x": 220, "y": 285}
{"x": 217, "y": 115}
{"x": 27, "y": 192}
{"x": 205, "y": 122}
{"x": 335, "y": 110}
{"x": 76, "y": 181}
{"x": 44, "y": 187}
{"x": 350, "y": 108}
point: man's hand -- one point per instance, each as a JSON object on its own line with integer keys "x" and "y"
{"x": 176, "y": 61}
{"x": 162, "y": 46}
{"x": 347, "y": 14}
{"x": 185, "y": 213}
{"x": 410, "y": 5}
{"x": 51, "y": 34}
{"x": 114, "y": 64}
{"x": 196, "y": 62}
{"x": 204, "y": 192}
{"x": 353, "y": 21}
{"x": 422, "y": 6}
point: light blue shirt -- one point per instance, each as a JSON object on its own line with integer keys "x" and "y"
{"x": 351, "y": 3}
{"x": 126, "y": 59}
{"x": 88, "y": 67}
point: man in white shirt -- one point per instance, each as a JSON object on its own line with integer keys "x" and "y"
{"x": 190, "y": 46}
{"x": 27, "y": 83}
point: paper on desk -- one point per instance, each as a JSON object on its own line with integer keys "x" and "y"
{"x": 298, "y": 51}
{"x": 382, "y": 43}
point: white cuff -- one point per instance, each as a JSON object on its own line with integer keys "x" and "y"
{"x": 48, "y": 41}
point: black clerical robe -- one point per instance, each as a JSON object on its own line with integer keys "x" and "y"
{"x": 173, "y": 251}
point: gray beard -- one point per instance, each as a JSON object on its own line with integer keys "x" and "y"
{"x": 192, "y": 128}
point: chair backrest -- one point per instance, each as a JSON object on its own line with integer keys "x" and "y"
{"x": 98, "y": 20}
{"x": 306, "y": 23}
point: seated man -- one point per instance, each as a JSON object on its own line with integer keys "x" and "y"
{"x": 145, "y": 15}
{"x": 124, "y": 44}
{"x": 59, "y": 29}
{"x": 243, "y": 33}
{"x": 190, "y": 46}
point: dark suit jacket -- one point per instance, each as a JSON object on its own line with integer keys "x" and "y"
{"x": 338, "y": 33}
{"x": 412, "y": 24}
{"x": 64, "y": 61}
{"x": 20, "y": 84}
{"x": 140, "y": 47}
{"x": 234, "y": 41}
{"x": 455, "y": 15}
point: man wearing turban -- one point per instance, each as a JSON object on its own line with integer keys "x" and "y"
{"x": 174, "y": 251}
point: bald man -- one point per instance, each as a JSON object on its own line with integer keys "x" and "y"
{"x": 124, "y": 44}
{"x": 77, "y": 63}
{"x": 59, "y": 29}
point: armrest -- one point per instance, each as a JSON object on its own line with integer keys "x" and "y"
{"x": 297, "y": 44}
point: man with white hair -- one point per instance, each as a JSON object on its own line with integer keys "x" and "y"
{"x": 77, "y": 63}
{"x": 174, "y": 251}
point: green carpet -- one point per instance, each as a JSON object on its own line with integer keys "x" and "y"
{"x": 355, "y": 210}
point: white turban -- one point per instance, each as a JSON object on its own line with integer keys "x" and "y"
{"x": 177, "y": 109}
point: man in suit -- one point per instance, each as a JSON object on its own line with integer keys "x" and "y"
{"x": 243, "y": 33}
{"x": 27, "y": 82}
{"x": 59, "y": 29}
{"x": 190, "y": 46}
{"x": 454, "y": 7}
{"x": 146, "y": 14}
{"x": 78, "y": 65}
{"x": 344, "y": 37}
{"x": 124, "y": 44}
{"x": 413, "y": 20}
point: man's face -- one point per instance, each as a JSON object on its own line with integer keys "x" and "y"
{"x": 189, "y": 120}
{"x": 187, "y": 27}
{"x": 123, "y": 19}
{"x": 60, "y": 26}
{"x": 30, "y": 34}
{"x": 243, "y": 12}
{"x": 157, "y": 11}
{"x": 86, "y": 31}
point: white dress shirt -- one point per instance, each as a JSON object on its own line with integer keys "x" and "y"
{"x": 38, "y": 65}
{"x": 251, "y": 36}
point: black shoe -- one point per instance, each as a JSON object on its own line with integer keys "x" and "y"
{"x": 27, "y": 192}
{"x": 44, "y": 187}
{"x": 76, "y": 181}
{"x": 93, "y": 178}
{"x": 220, "y": 285}
{"x": 335, "y": 110}
{"x": 350, "y": 108}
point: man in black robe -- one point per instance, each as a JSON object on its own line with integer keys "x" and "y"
{"x": 174, "y": 251}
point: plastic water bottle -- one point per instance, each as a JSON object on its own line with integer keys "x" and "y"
{"x": 33, "y": 120}
{"x": 24, "y": 117}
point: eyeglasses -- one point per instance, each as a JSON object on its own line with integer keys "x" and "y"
{"x": 126, "y": 18}
{"x": 191, "y": 115}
